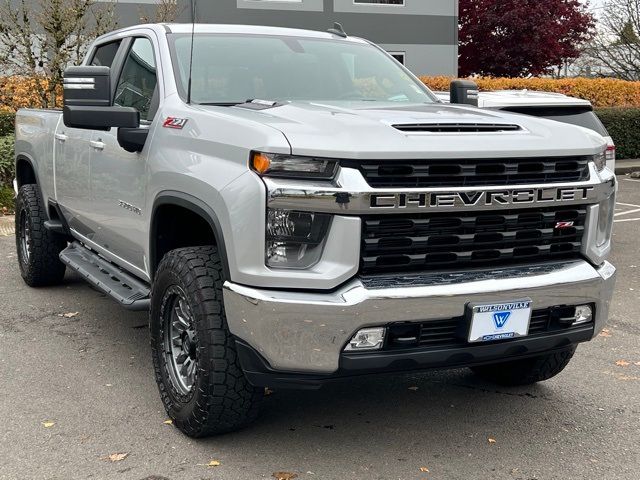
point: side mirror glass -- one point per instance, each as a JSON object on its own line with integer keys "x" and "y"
{"x": 464, "y": 92}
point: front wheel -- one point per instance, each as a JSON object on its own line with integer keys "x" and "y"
{"x": 201, "y": 383}
{"x": 527, "y": 371}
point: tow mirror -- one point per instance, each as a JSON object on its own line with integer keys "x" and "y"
{"x": 87, "y": 101}
{"x": 464, "y": 92}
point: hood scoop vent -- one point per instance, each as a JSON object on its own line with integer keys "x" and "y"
{"x": 455, "y": 127}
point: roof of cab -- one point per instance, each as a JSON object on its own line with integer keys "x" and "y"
{"x": 523, "y": 98}
{"x": 500, "y": 98}
{"x": 237, "y": 29}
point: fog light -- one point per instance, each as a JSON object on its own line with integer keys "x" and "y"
{"x": 367, "y": 339}
{"x": 584, "y": 314}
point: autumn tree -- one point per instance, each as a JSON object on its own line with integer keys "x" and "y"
{"x": 518, "y": 38}
{"x": 615, "y": 51}
{"x": 41, "y": 41}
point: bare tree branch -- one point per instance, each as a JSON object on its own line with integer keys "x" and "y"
{"x": 616, "y": 49}
{"x": 43, "y": 43}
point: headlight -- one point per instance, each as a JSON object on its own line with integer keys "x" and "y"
{"x": 295, "y": 239}
{"x": 288, "y": 166}
{"x": 600, "y": 160}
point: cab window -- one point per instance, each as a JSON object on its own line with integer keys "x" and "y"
{"x": 104, "y": 55}
{"x": 138, "y": 82}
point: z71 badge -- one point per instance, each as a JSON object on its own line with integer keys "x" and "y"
{"x": 175, "y": 122}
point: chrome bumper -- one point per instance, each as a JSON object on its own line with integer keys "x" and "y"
{"x": 307, "y": 331}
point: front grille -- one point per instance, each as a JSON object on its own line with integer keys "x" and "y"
{"x": 455, "y": 127}
{"x": 453, "y": 332}
{"x": 471, "y": 172}
{"x": 424, "y": 242}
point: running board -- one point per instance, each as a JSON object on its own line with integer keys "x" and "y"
{"x": 127, "y": 290}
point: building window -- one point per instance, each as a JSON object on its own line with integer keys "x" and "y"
{"x": 399, "y": 56}
{"x": 380, "y": 2}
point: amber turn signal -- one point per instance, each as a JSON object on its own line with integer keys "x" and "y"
{"x": 260, "y": 162}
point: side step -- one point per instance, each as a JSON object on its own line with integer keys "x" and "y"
{"x": 127, "y": 290}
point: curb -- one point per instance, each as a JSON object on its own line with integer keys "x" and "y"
{"x": 627, "y": 166}
{"x": 7, "y": 226}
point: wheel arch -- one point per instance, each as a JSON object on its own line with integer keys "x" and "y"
{"x": 26, "y": 172}
{"x": 197, "y": 207}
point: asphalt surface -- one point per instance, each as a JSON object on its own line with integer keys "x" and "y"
{"x": 90, "y": 375}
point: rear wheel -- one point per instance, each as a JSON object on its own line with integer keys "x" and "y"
{"x": 527, "y": 371}
{"x": 38, "y": 248}
{"x": 201, "y": 383}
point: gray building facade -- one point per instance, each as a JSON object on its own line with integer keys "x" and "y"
{"x": 423, "y": 34}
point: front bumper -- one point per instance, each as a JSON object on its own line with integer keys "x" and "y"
{"x": 306, "y": 332}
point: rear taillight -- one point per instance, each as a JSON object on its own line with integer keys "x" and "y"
{"x": 610, "y": 153}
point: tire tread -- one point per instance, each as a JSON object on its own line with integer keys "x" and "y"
{"x": 225, "y": 401}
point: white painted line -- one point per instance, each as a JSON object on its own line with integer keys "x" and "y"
{"x": 628, "y": 204}
{"x": 627, "y": 212}
{"x": 626, "y": 220}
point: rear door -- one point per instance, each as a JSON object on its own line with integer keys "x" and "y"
{"x": 73, "y": 159}
{"x": 118, "y": 177}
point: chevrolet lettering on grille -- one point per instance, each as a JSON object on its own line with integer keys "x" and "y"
{"x": 469, "y": 199}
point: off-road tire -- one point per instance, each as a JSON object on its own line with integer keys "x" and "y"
{"x": 221, "y": 399}
{"x": 527, "y": 371}
{"x": 40, "y": 265}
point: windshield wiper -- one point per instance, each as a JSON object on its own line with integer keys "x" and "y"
{"x": 221, "y": 104}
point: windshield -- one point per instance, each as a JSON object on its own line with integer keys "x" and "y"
{"x": 230, "y": 69}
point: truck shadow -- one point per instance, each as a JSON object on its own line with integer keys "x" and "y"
{"x": 432, "y": 411}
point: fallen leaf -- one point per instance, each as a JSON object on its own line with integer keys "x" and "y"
{"x": 622, "y": 363}
{"x": 168, "y": 422}
{"x": 413, "y": 389}
{"x": 605, "y": 333}
{"x": 424, "y": 469}
{"x": 284, "y": 475}
{"x": 69, "y": 314}
{"x": 48, "y": 424}
{"x": 213, "y": 463}
{"x": 117, "y": 457}
{"x": 492, "y": 440}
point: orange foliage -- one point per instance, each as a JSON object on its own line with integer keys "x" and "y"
{"x": 601, "y": 92}
{"x": 19, "y": 92}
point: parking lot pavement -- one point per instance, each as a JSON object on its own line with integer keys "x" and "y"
{"x": 90, "y": 375}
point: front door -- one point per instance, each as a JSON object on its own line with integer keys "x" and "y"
{"x": 118, "y": 178}
{"x": 72, "y": 160}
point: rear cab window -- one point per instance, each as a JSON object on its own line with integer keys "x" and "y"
{"x": 580, "y": 116}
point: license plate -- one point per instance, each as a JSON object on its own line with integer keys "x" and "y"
{"x": 499, "y": 321}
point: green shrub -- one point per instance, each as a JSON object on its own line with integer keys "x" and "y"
{"x": 6, "y": 200}
{"x": 7, "y": 161}
{"x": 7, "y": 121}
{"x": 623, "y": 125}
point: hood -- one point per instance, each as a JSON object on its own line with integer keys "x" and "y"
{"x": 386, "y": 131}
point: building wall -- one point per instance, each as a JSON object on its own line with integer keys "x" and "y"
{"x": 425, "y": 31}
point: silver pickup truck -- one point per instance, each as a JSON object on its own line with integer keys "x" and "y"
{"x": 295, "y": 207}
